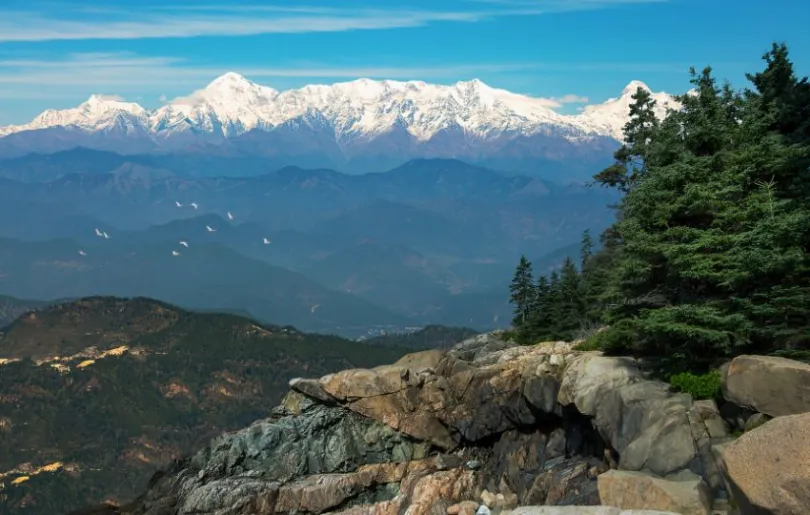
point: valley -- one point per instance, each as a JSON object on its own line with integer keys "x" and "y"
{"x": 430, "y": 242}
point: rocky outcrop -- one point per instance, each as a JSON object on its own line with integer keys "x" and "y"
{"x": 759, "y": 383}
{"x": 768, "y": 468}
{"x": 644, "y": 422}
{"x": 687, "y": 494}
{"x": 459, "y": 398}
{"x": 486, "y": 427}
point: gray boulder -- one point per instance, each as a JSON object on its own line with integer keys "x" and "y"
{"x": 768, "y": 468}
{"x": 689, "y": 495}
{"x": 643, "y": 421}
{"x": 768, "y": 384}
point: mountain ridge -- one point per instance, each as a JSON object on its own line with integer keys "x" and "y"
{"x": 361, "y": 125}
{"x": 235, "y": 105}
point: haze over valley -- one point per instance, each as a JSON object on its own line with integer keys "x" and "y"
{"x": 185, "y": 204}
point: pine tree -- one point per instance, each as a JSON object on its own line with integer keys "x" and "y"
{"x": 554, "y": 306}
{"x": 586, "y": 250}
{"x": 710, "y": 252}
{"x": 714, "y": 232}
{"x": 782, "y": 97}
{"x": 523, "y": 295}
{"x": 631, "y": 157}
{"x": 541, "y": 321}
{"x": 572, "y": 301}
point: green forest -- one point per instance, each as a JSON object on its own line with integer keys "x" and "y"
{"x": 708, "y": 256}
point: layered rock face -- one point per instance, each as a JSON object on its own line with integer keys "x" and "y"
{"x": 486, "y": 427}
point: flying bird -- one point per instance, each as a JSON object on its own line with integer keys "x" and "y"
{"x": 178, "y": 204}
{"x": 316, "y": 306}
{"x": 230, "y": 216}
{"x": 98, "y": 233}
{"x": 82, "y": 253}
{"x": 266, "y": 241}
{"x": 106, "y": 236}
{"x": 210, "y": 229}
{"x": 194, "y": 205}
{"x": 175, "y": 253}
{"x": 184, "y": 243}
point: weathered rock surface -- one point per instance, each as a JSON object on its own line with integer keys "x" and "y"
{"x": 643, "y": 421}
{"x": 633, "y": 490}
{"x": 762, "y": 383}
{"x": 768, "y": 468}
{"x": 484, "y": 428}
{"x": 466, "y": 395}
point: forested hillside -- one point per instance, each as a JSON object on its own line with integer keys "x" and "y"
{"x": 98, "y": 394}
{"x": 708, "y": 256}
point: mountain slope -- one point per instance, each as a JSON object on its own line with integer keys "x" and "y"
{"x": 138, "y": 383}
{"x": 204, "y": 276}
{"x": 12, "y": 307}
{"x": 362, "y": 125}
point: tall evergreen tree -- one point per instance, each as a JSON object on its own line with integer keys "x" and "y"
{"x": 541, "y": 322}
{"x": 572, "y": 301}
{"x": 523, "y": 294}
{"x": 554, "y": 303}
{"x": 631, "y": 157}
{"x": 782, "y": 97}
{"x": 712, "y": 257}
{"x": 710, "y": 253}
{"x": 586, "y": 250}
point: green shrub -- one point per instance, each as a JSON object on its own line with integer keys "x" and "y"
{"x": 510, "y": 334}
{"x": 797, "y": 354}
{"x": 619, "y": 339}
{"x": 705, "y": 386}
{"x": 590, "y": 343}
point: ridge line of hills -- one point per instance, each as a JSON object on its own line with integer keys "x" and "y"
{"x": 115, "y": 388}
{"x": 367, "y": 128}
{"x": 431, "y": 242}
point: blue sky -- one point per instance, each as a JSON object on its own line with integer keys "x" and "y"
{"x": 54, "y": 54}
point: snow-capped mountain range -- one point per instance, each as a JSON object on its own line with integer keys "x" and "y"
{"x": 363, "y": 120}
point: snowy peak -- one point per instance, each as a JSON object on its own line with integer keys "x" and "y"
{"x": 631, "y": 88}
{"x": 610, "y": 117}
{"x": 234, "y": 86}
{"x": 231, "y": 105}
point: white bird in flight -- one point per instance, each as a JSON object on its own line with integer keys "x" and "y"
{"x": 98, "y": 233}
{"x": 184, "y": 243}
{"x": 230, "y": 216}
{"x": 82, "y": 253}
{"x": 175, "y": 253}
{"x": 266, "y": 241}
{"x": 210, "y": 229}
{"x": 313, "y": 308}
{"x": 194, "y": 205}
{"x": 178, "y": 204}
{"x": 106, "y": 236}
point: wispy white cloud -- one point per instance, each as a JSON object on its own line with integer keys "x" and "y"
{"x": 86, "y": 22}
{"x": 174, "y": 22}
{"x": 130, "y": 74}
{"x": 570, "y": 99}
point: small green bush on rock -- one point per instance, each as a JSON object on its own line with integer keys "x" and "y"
{"x": 705, "y": 386}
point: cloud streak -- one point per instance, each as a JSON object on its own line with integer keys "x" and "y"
{"x": 100, "y": 71}
{"x": 132, "y": 74}
{"x": 151, "y": 23}
{"x": 120, "y": 75}
{"x": 187, "y": 21}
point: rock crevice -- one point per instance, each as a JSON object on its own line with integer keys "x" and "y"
{"x": 441, "y": 432}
